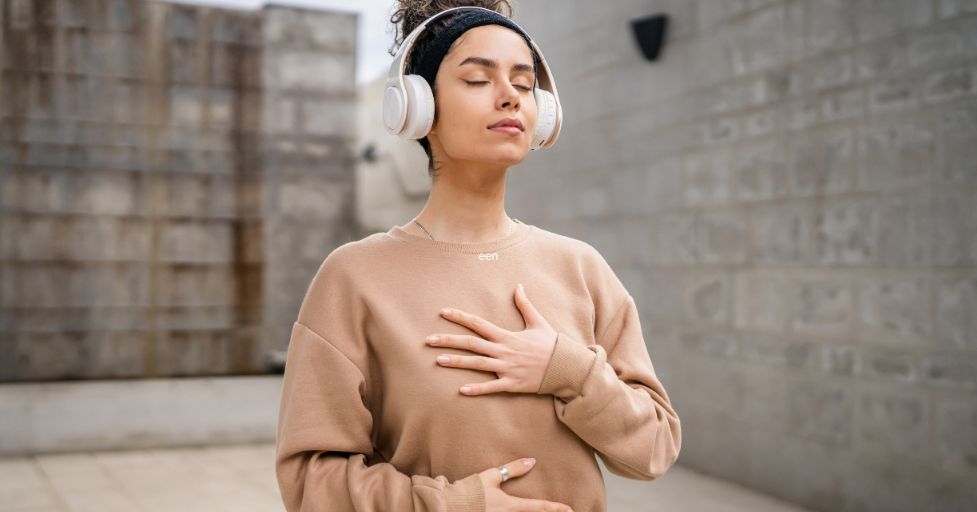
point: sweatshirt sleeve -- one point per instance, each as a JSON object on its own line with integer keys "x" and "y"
{"x": 324, "y": 438}
{"x": 609, "y": 395}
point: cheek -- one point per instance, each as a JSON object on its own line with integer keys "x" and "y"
{"x": 461, "y": 116}
{"x": 454, "y": 108}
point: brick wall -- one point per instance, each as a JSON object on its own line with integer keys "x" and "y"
{"x": 790, "y": 194}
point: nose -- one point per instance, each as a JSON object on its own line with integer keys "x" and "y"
{"x": 509, "y": 98}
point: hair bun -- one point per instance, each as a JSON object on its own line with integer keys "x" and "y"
{"x": 410, "y": 13}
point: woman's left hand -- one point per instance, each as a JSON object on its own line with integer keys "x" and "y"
{"x": 519, "y": 358}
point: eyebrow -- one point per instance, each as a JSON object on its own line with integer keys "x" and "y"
{"x": 491, "y": 64}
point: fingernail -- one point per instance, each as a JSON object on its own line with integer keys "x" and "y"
{"x": 466, "y": 389}
{"x": 521, "y": 288}
{"x": 445, "y": 311}
{"x": 432, "y": 338}
{"x": 528, "y": 462}
{"x": 443, "y": 359}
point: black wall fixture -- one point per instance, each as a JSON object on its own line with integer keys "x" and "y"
{"x": 650, "y": 33}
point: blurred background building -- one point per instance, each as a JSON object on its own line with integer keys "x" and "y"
{"x": 172, "y": 174}
{"x": 789, "y": 192}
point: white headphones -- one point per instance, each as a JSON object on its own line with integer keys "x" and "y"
{"x": 408, "y": 103}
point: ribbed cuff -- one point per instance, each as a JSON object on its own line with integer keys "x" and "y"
{"x": 465, "y": 495}
{"x": 568, "y": 368}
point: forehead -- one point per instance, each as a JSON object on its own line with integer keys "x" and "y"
{"x": 491, "y": 41}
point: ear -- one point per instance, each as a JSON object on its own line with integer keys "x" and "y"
{"x": 434, "y": 108}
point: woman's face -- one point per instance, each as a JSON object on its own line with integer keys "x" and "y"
{"x": 487, "y": 76}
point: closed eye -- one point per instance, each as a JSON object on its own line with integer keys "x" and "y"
{"x": 522, "y": 87}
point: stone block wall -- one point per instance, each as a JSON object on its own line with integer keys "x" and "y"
{"x": 790, "y": 193}
{"x": 170, "y": 178}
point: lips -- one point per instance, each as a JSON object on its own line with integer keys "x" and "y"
{"x": 515, "y": 123}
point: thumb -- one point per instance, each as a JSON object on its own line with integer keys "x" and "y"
{"x": 529, "y": 313}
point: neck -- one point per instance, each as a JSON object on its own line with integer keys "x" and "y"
{"x": 466, "y": 205}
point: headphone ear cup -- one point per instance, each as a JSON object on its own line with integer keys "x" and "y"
{"x": 420, "y": 107}
{"x": 545, "y": 117}
{"x": 393, "y": 110}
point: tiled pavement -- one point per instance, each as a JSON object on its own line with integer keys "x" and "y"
{"x": 241, "y": 478}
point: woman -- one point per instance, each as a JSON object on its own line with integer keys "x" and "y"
{"x": 545, "y": 364}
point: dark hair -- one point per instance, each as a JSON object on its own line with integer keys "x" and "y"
{"x": 411, "y": 13}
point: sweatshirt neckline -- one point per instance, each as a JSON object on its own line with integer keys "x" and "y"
{"x": 518, "y": 234}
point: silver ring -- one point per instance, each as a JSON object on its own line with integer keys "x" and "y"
{"x": 505, "y": 473}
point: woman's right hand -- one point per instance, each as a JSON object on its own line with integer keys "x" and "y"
{"x": 496, "y": 500}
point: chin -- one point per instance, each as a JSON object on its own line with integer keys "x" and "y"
{"x": 510, "y": 149}
{"x": 503, "y": 156}
{"x": 512, "y": 157}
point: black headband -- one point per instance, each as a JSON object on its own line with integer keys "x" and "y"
{"x": 430, "y": 60}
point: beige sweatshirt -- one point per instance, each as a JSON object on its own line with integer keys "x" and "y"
{"x": 369, "y": 421}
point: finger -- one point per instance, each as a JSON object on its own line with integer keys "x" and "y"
{"x": 487, "y": 329}
{"x": 516, "y": 468}
{"x": 532, "y": 317}
{"x": 466, "y": 342}
{"x": 524, "y": 504}
{"x": 480, "y": 363}
{"x": 485, "y": 388}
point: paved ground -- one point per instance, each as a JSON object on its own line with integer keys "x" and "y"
{"x": 241, "y": 478}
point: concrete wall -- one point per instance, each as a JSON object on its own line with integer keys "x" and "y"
{"x": 46, "y": 417}
{"x": 309, "y": 78}
{"x": 171, "y": 176}
{"x": 790, "y": 194}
